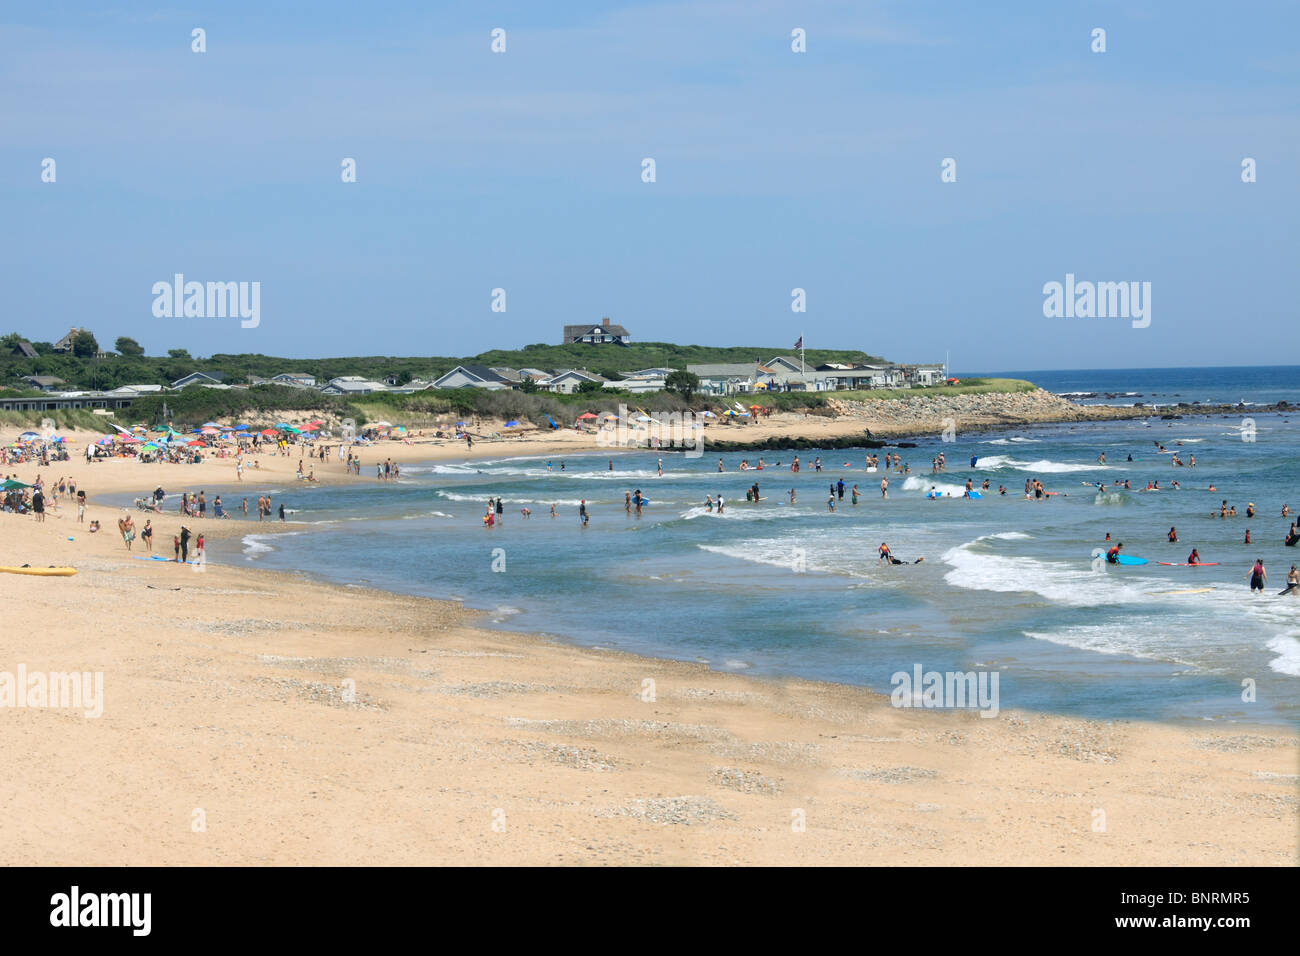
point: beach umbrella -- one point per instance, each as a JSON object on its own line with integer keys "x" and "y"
{"x": 309, "y": 428}
{"x": 241, "y": 428}
{"x": 211, "y": 425}
{"x": 382, "y": 424}
{"x": 106, "y": 440}
{"x": 268, "y": 432}
{"x": 210, "y": 430}
{"x": 28, "y": 436}
{"x": 9, "y": 484}
{"x": 708, "y": 414}
{"x": 586, "y": 415}
{"x": 196, "y": 443}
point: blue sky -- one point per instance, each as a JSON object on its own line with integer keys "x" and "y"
{"x": 775, "y": 170}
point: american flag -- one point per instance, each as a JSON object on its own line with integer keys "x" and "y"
{"x": 799, "y": 344}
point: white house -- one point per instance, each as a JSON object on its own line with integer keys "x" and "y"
{"x": 351, "y": 385}
{"x": 568, "y": 381}
{"x": 645, "y": 380}
{"x": 296, "y": 379}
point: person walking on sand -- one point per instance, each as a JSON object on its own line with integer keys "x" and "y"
{"x": 1258, "y": 576}
{"x": 185, "y": 545}
{"x": 146, "y": 536}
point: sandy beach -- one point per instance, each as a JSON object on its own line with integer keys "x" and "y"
{"x": 257, "y": 717}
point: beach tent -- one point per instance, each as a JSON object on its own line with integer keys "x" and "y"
{"x": 509, "y": 424}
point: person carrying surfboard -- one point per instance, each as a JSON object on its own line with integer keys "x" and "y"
{"x": 1292, "y": 583}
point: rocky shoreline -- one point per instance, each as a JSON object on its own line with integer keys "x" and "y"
{"x": 873, "y": 423}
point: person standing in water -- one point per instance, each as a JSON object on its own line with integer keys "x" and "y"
{"x": 884, "y": 487}
{"x": 1292, "y": 582}
{"x": 1258, "y": 576}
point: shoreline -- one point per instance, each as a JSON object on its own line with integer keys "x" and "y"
{"x": 351, "y": 724}
{"x": 311, "y": 723}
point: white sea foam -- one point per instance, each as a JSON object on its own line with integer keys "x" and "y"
{"x": 743, "y": 512}
{"x": 1073, "y": 584}
{"x": 918, "y": 483}
{"x": 255, "y": 544}
{"x": 1288, "y": 655}
{"x": 1042, "y": 466}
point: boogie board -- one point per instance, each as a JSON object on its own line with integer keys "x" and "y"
{"x": 1189, "y": 591}
{"x": 43, "y": 572}
{"x": 1181, "y": 564}
{"x": 976, "y": 494}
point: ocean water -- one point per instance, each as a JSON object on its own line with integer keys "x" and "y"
{"x": 773, "y": 588}
{"x": 1257, "y": 385}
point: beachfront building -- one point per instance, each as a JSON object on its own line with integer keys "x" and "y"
{"x": 603, "y": 334}
{"x": 294, "y": 379}
{"x": 923, "y": 375}
{"x": 645, "y": 380}
{"x": 471, "y": 376}
{"x": 568, "y": 381}
{"x": 201, "y": 378}
{"x": 135, "y": 391}
{"x": 25, "y": 349}
{"x": 352, "y": 385}
{"x": 729, "y": 378}
{"x": 46, "y": 383}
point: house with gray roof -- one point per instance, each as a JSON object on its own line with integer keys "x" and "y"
{"x": 471, "y": 376}
{"x": 602, "y": 334}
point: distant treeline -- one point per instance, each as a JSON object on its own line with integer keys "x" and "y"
{"x": 195, "y": 405}
{"x": 130, "y": 366}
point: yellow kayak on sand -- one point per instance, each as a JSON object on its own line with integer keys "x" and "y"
{"x": 44, "y": 572}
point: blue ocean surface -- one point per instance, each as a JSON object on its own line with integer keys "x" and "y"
{"x": 778, "y": 588}
{"x": 1252, "y": 385}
